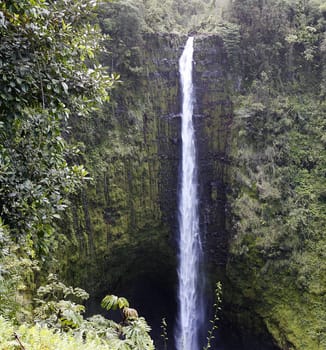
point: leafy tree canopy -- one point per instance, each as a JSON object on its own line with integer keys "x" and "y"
{"x": 171, "y": 16}
{"x": 46, "y": 76}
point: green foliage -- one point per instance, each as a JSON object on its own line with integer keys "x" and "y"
{"x": 16, "y": 274}
{"x": 45, "y": 79}
{"x": 307, "y": 30}
{"x": 40, "y": 338}
{"x": 133, "y": 336}
{"x": 230, "y": 33}
{"x": 164, "y": 335}
{"x": 278, "y": 163}
{"x": 52, "y": 308}
{"x": 126, "y": 19}
{"x": 214, "y": 320}
{"x": 281, "y": 38}
{"x": 58, "y": 314}
{"x": 185, "y": 16}
{"x": 112, "y": 302}
{"x": 136, "y": 334}
{"x": 279, "y": 210}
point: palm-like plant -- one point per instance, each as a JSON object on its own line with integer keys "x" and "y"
{"x": 132, "y": 335}
{"x": 112, "y": 302}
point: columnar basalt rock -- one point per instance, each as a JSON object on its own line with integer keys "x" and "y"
{"x": 213, "y": 118}
{"x": 123, "y": 227}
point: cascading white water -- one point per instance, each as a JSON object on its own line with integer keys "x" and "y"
{"x": 189, "y": 293}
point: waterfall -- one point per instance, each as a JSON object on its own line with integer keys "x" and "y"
{"x": 190, "y": 312}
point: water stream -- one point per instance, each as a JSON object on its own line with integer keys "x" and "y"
{"x": 190, "y": 308}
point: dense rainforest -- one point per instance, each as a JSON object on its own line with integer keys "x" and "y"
{"x": 89, "y": 160}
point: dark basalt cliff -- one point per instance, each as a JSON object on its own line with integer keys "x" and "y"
{"x": 123, "y": 227}
{"x": 213, "y": 118}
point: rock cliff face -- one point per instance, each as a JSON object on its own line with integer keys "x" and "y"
{"x": 213, "y": 118}
{"x": 123, "y": 227}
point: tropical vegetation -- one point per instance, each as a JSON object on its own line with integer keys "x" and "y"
{"x": 89, "y": 155}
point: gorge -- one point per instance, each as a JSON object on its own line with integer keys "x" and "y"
{"x": 259, "y": 82}
{"x": 245, "y": 155}
{"x": 154, "y": 203}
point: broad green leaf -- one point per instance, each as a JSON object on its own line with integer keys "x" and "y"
{"x": 110, "y": 302}
{"x": 65, "y": 87}
{"x": 122, "y": 302}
